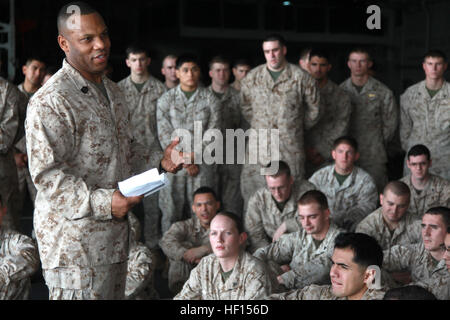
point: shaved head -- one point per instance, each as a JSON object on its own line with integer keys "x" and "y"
{"x": 72, "y": 10}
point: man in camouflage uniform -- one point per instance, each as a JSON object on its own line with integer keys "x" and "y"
{"x": 19, "y": 260}
{"x": 277, "y": 95}
{"x": 392, "y": 224}
{"x": 351, "y": 192}
{"x": 11, "y": 100}
{"x": 425, "y": 260}
{"x": 187, "y": 242}
{"x": 142, "y": 91}
{"x": 351, "y": 277}
{"x": 240, "y": 69}
{"x": 425, "y": 113}
{"x": 374, "y": 116}
{"x": 168, "y": 70}
{"x": 274, "y": 206}
{"x": 186, "y": 107}
{"x": 439, "y": 283}
{"x": 336, "y": 115}
{"x": 304, "y": 256}
{"x": 34, "y": 72}
{"x": 80, "y": 145}
{"x": 230, "y": 273}
{"x": 230, "y": 170}
{"x": 141, "y": 265}
{"x": 427, "y": 190}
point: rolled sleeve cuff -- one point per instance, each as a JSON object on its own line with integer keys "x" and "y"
{"x": 101, "y": 204}
{"x": 288, "y": 279}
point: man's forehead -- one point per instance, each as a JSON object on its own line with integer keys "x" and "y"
{"x": 432, "y": 219}
{"x": 219, "y": 65}
{"x": 271, "y": 45}
{"x": 343, "y": 255}
{"x": 306, "y": 210}
{"x": 317, "y": 59}
{"x": 169, "y": 62}
{"x": 203, "y": 197}
{"x": 434, "y": 60}
{"x": 189, "y": 65}
{"x": 419, "y": 158}
{"x": 85, "y": 23}
{"x": 358, "y": 56}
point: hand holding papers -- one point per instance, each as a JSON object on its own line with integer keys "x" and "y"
{"x": 143, "y": 184}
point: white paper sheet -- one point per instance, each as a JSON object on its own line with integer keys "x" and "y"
{"x": 145, "y": 183}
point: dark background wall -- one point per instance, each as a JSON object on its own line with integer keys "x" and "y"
{"x": 235, "y": 28}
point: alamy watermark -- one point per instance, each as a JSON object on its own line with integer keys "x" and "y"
{"x": 374, "y": 21}
{"x": 208, "y": 147}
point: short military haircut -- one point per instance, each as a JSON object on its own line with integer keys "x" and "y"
{"x": 347, "y": 140}
{"x": 241, "y": 62}
{"x": 64, "y": 14}
{"x": 411, "y": 292}
{"x": 314, "y": 196}
{"x": 186, "y": 58}
{"x": 435, "y": 53}
{"x": 237, "y": 220}
{"x": 135, "y": 49}
{"x": 398, "y": 188}
{"x": 366, "y": 250}
{"x": 305, "y": 53}
{"x": 444, "y": 212}
{"x": 418, "y": 150}
{"x": 319, "y": 53}
{"x": 275, "y": 37}
{"x": 283, "y": 168}
{"x": 360, "y": 50}
{"x": 219, "y": 59}
{"x": 32, "y": 58}
{"x": 203, "y": 190}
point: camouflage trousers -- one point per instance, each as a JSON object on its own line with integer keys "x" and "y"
{"x": 251, "y": 181}
{"x": 10, "y": 192}
{"x": 152, "y": 221}
{"x": 24, "y": 178}
{"x": 96, "y": 283}
{"x": 175, "y": 200}
{"x": 378, "y": 171}
{"x": 179, "y": 272}
{"x": 230, "y": 188}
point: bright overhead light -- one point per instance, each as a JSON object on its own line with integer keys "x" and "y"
{"x": 286, "y": 3}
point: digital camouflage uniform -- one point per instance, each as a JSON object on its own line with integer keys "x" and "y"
{"x": 324, "y": 292}
{"x": 263, "y": 217}
{"x": 438, "y": 284}
{"x": 141, "y": 266}
{"x": 333, "y": 124}
{"x": 180, "y": 237}
{"x": 417, "y": 260}
{"x": 291, "y": 105}
{"x": 23, "y": 174}
{"x": 248, "y": 281}
{"x": 142, "y": 106}
{"x": 175, "y": 111}
{"x": 350, "y": 202}
{"x": 11, "y": 100}
{"x": 19, "y": 260}
{"x": 408, "y": 231}
{"x": 373, "y": 123}
{"x": 309, "y": 263}
{"x": 79, "y": 147}
{"x": 435, "y": 194}
{"x": 230, "y": 174}
{"x": 425, "y": 120}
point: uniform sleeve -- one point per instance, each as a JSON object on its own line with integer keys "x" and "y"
{"x": 21, "y": 262}
{"x": 192, "y": 289}
{"x": 314, "y": 271}
{"x": 280, "y": 251}
{"x": 390, "y": 117}
{"x": 406, "y": 123}
{"x": 246, "y": 100}
{"x": 140, "y": 270}
{"x": 163, "y": 123}
{"x": 9, "y": 118}
{"x": 50, "y": 143}
{"x": 308, "y": 293}
{"x": 173, "y": 241}
{"x": 257, "y": 286}
{"x": 365, "y": 203}
{"x": 254, "y": 226}
{"x": 311, "y": 97}
{"x": 398, "y": 258}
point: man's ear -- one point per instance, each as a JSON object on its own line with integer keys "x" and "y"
{"x": 63, "y": 44}
{"x": 127, "y": 62}
{"x": 242, "y": 238}
{"x": 357, "y": 156}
